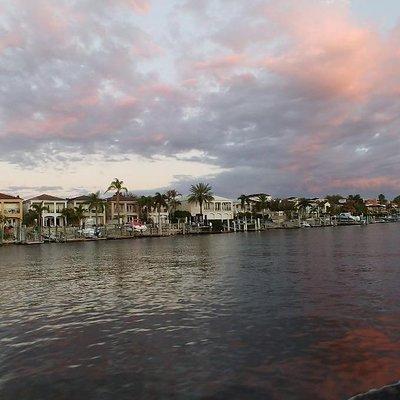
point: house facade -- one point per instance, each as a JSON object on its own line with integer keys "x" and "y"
{"x": 11, "y": 207}
{"x": 90, "y": 214}
{"x": 159, "y": 217}
{"x": 128, "y": 209}
{"x": 374, "y": 207}
{"x": 220, "y": 209}
{"x": 54, "y": 206}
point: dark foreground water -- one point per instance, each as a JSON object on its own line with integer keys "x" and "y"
{"x": 306, "y": 314}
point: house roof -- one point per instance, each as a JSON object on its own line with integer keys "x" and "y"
{"x": 219, "y": 198}
{"x": 122, "y": 198}
{"x": 46, "y": 197}
{"x": 259, "y": 194}
{"x": 80, "y": 198}
{"x": 4, "y": 196}
{"x": 216, "y": 198}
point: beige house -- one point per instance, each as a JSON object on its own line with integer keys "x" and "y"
{"x": 11, "y": 207}
{"x": 90, "y": 214}
{"x": 220, "y": 208}
{"x": 128, "y": 206}
{"x": 52, "y": 216}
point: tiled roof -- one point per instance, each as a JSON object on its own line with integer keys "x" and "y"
{"x": 4, "y": 196}
{"x": 47, "y": 197}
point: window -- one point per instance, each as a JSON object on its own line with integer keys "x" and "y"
{"x": 131, "y": 208}
{"x": 226, "y": 206}
{"x": 11, "y": 208}
{"x": 217, "y": 206}
{"x": 208, "y": 206}
{"x": 60, "y": 207}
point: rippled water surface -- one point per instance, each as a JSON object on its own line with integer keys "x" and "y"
{"x": 305, "y": 314}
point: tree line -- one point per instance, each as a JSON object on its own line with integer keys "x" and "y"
{"x": 170, "y": 200}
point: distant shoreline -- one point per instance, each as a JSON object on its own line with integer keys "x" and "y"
{"x": 175, "y": 234}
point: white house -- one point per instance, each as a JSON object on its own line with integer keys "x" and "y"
{"x": 53, "y": 208}
{"x": 159, "y": 217}
{"x": 220, "y": 208}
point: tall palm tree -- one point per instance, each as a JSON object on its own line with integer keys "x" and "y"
{"x": 117, "y": 186}
{"x": 262, "y": 203}
{"x": 160, "y": 200}
{"x": 79, "y": 213}
{"x": 68, "y": 214}
{"x": 200, "y": 194}
{"x": 39, "y": 209}
{"x": 143, "y": 203}
{"x": 172, "y": 200}
{"x": 96, "y": 203}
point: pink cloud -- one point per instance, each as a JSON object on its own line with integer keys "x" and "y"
{"x": 126, "y": 101}
{"x": 11, "y": 39}
{"x": 228, "y": 61}
{"x": 44, "y": 127}
{"x": 366, "y": 183}
{"x": 138, "y": 6}
{"x": 325, "y": 51}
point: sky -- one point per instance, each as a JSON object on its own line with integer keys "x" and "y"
{"x": 287, "y": 97}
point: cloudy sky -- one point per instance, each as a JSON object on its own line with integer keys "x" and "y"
{"x": 279, "y": 96}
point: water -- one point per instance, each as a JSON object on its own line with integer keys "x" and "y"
{"x": 304, "y": 314}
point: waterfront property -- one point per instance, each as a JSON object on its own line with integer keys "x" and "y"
{"x": 91, "y": 216}
{"x": 374, "y": 207}
{"x": 52, "y": 209}
{"x": 11, "y": 208}
{"x": 248, "y": 203}
{"x": 125, "y": 207}
{"x": 160, "y": 216}
{"x": 220, "y": 208}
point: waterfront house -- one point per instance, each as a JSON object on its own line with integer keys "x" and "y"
{"x": 89, "y": 214}
{"x": 250, "y": 203}
{"x": 318, "y": 207}
{"x": 374, "y": 207}
{"x": 54, "y": 206}
{"x": 11, "y": 207}
{"x": 220, "y": 209}
{"x": 159, "y": 217}
{"x": 239, "y": 209}
{"x": 128, "y": 209}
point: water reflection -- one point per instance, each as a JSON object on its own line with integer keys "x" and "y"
{"x": 293, "y": 315}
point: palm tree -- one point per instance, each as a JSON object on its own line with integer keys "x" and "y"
{"x": 38, "y": 209}
{"x": 160, "y": 200}
{"x": 79, "y": 214}
{"x": 243, "y": 201}
{"x": 96, "y": 203}
{"x": 118, "y": 187}
{"x": 262, "y": 203}
{"x": 200, "y": 194}
{"x": 172, "y": 201}
{"x": 143, "y": 203}
{"x": 3, "y": 220}
{"x": 68, "y": 214}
